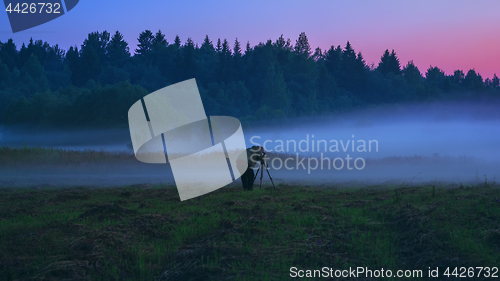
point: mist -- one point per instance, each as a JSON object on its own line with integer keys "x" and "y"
{"x": 427, "y": 143}
{"x": 440, "y": 142}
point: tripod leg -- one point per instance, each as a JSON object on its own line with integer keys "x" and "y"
{"x": 271, "y": 178}
{"x": 261, "y": 175}
{"x": 257, "y": 173}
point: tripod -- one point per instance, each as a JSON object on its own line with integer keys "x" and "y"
{"x": 263, "y": 163}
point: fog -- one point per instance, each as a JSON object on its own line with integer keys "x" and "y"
{"x": 404, "y": 145}
{"x": 421, "y": 143}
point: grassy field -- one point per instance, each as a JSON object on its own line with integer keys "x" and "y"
{"x": 147, "y": 233}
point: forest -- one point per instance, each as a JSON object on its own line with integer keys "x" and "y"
{"x": 95, "y": 84}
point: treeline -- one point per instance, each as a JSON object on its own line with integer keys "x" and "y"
{"x": 94, "y": 85}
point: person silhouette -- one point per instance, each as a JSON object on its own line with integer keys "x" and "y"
{"x": 255, "y": 154}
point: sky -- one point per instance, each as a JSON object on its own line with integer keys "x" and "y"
{"x": 449, "y": 34}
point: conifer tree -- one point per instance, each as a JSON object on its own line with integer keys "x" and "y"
{"x": 8, "y": 53}
{"x": 117, "y": 50}
{"x": 302, "y": 47}
{"x": 411, "y": 73}
{"x": 389, "y": 63}
{"x": 177, "y": 41}
{"x": 495, "y": 81}
{"x": 145, "y": 43}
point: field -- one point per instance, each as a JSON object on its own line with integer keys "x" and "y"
{"x": 145, "y": 232}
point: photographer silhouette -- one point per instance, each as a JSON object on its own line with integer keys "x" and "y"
{"x": 255, "y": 154}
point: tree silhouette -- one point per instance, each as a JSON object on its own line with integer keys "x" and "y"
{"x": 302, "y": 47}
{"x": 352, "y": 71}
{"x": 44, "y": 85}
{"x": 93, "y": 55}
{"x": 117, "y": 50}
{"x": 206, "y": 60}
{"x": 412, "y": 74}
{"x": 225, "y": 63}
{"x": 8, "y": 53}
{"x": 159, "y": 40}
{"x": 188, "y": 67}
{"x": 435, "y": 76}
{"x": 282, "y": 48}
{"x": 145, "y": 43}
{"x": 458, "y": 77}
{"x": 177, "y": 41}
{"x": 237, "y": 49}
{"x": 473, "y": 81}
{"x": 494, "y": 81}
{"x": 389, "y": 63}
{"x": 72, "y": 61}
{"x": 218, "y": 48}
{"x": 318, "y": 54}
{"x": 333, "y": 60}
{"x": 237, "y": 61}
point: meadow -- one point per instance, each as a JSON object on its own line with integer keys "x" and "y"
{"x": 144, "y": 232}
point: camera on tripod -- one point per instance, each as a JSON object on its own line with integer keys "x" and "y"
{"x": 263, "y": 163}
{"x": 255, "y": 155}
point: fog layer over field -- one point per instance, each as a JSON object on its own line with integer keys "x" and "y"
{"x": 401, "y": 144}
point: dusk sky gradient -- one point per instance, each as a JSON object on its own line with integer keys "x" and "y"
{"x": 448, "y": 34}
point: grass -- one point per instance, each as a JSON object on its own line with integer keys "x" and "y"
{"x": 147, "y": 233}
